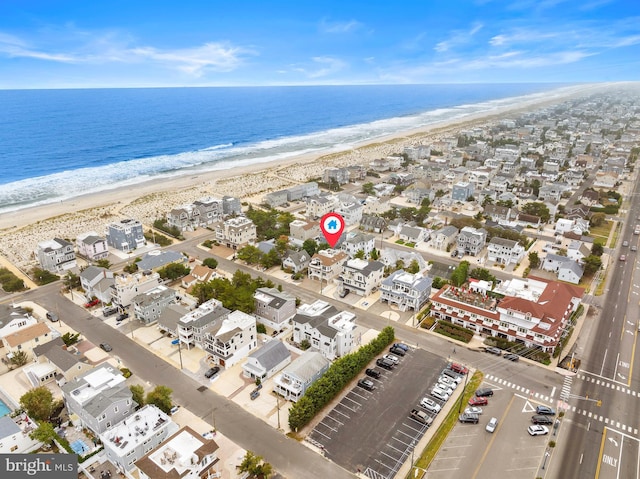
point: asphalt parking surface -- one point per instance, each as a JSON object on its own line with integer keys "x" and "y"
{"x": 371, "y": 431}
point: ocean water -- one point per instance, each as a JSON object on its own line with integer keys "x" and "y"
{"x": 59, "y": 144}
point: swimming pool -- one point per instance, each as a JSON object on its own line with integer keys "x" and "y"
{"x": 4, "y": 409}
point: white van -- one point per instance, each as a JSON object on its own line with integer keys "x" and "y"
{"x": 493, "y": 423}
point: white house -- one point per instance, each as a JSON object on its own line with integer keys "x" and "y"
{"x": 56, "y": 255}
{"x": 296, "y": 378}
{"x": 326, "y": 264}
{"x": 92, "y": 246}
{"x": 128, "y": 286}
{"x": 355, "y": 242}
{"x": 406, "y": 290}
{"x": 361, "y": 277}
{"x": 14, "y": 435}
{"x": 504, "y": 251}
{"x": 267, "y": 361}
{"x": 327, "y": 330}
{"x": 233, "y": 339}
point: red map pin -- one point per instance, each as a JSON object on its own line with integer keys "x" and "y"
{"x": 332, "y": 226}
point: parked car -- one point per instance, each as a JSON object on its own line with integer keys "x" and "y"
{"x": 445, "y": 387}
{"x": 92, "y": 303}
{"x": 109, "y": 311}
{"x": 254, "y": 394}
{"x": 492, "y": 425}
{"x": 174, "y": 409}
{"x": 473, "y": 410}
{"x": 374, "y": 373}
{"x": 212, "y": 372}
{"x": 122, "y": 317}
{"x": 397, "y": 351}
{"x": 478, "y": 401}
{"x": 541, "y": 419}
{"x": 401, "y": 346}
{"x": 439, "y": 394}
{"x": 546, "y": 410}
{"x": 537, "y": 430}
{"x": 484, "y": 392}
{"x": 458, "y": 368}
{"x": 51, "y": 316}
{"x": 385, "y": 363}
{"x": 430, "y": 405}
{"x": 448, "y": 381}
{"x": 623, "y": 257}
{"x": 420, "y": 416}
{"x": 457, "y": 377}
{"x": 512, "y": 357}
{"x": 367, "y": 384}
{"x": 492, "y": 350}
{"x": 392, "y": 358}
{"x": 106, "y": 347}
{"x": 469, "y": 418}
{"x": 634, "y": 248}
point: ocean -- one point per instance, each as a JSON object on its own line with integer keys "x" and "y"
{"x": 59, "y": 144}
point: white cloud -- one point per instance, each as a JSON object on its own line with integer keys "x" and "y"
{"x": 457, "y": 38}
{"x": 329, "y": 65}
{"x": 339, "y": 27}
{"x": 113, "y": 48}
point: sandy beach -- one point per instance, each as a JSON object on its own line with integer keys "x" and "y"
{"x": 20, "y": 231}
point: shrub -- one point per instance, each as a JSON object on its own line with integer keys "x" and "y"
{"x": 261, "y": 328}
{"x": 454, "y": 331}
{"x": 126, "y": 372}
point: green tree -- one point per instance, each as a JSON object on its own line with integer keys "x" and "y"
{"x": 71, "y": 281}
{"x": 38, "y": 403}
{"x": 310, "y": 246}
{"x": 374, "y": 254}
{"x": 359, "y": 254}
{"x": 482, "y": 274}
{"x": 534, "y": 260}
{"x": 282, "y": 245}
{"x": 592, "y": 264}
{"x": 42, "y": 276}
{"x": 45, "y": 433}
{"x": 137, "y": 394}
{"x": 250, "y": 254}
{"x": 597, "y": 249}
{"x": 305, "y": 344}
{"x": 597, "y": 219}
{"x": 19, "y": 358}
{"x": 255, "y": 466}
{"x": 414, "y": 267}
{"x": 160, "y": 396}
{"x": 131, "y": 268}
{"x": 174, "y": 271}
{"x": 538, "y": 209}
{"x": 70, "y": 338}
{"x": 270, "y": 259}
{"x": 460, "y": 274}
{"x": 368, "y": 188}
{"x": 103, "y": 263}
{"x": 210, "y": 263}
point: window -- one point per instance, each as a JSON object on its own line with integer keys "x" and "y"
{"x": 14, "y": 448}
{"x": 115, "y": 409}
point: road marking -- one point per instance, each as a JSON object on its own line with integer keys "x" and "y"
{"x": 528, "y": 407}
{"x": 553, "y": 391}
{"x": 600, "y": 453}
{"x": 493, "y": 438}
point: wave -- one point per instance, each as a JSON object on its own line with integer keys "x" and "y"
{"x": 65, "y": 185}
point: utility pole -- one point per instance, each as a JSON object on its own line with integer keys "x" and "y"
{"x": 464, "y": 388}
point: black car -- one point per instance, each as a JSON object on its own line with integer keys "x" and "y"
{"x": 397, "y": 351}
{"x": 401, "y": 346}
{"x": 374, "y": 373}
{"x": 484, "y": 392}
{"x": 541, "y": 419}
{"x": 212, "y": 372}
{"x": 122, "y": 317}
{"x": 545, "y": 410}
{"x": 51, "y": 316}
{"x": 367, "y": 384}
{"x": 385, "y": 363}
{"x": 106, "y": 347}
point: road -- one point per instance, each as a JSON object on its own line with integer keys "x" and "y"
{"x": 602, "y": 441}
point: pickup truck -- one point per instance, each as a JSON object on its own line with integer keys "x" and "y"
{"x": 420, "y": 416}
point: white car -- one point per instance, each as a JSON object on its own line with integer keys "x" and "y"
{"x": 430, "y": 405}
{"x": 447, "y": 380}
{"x": 391, "y": 357}
{"x": 445, "y": 388}
{"x": 537, "y": 430}
{"x": 439, "y": 394}
{"x": 493, "y": 424}
{"x": 473, "y": 410}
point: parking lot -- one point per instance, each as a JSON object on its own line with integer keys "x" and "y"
{"x": 471, "y": 451}
{"x": 371, "y": 431}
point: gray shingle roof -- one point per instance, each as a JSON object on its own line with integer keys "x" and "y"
{"x": 271, "y": 354}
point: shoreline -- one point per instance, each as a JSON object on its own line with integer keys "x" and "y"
{"x": 21, "y": 230}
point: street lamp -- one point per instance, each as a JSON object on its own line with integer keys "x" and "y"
{"x": 413, "y": 448}
{"x": 464, "y": 388}
{"x": 544, "y": 461}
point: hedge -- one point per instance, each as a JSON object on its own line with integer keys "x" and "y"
{"x": 339, "y": 374}
{"x": 453, "y": 331}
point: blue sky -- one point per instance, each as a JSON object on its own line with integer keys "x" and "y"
{"x": 99, "y": 43}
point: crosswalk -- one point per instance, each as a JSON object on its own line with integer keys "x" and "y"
{"x": 607, "y": 383}
{"x": 565, "y": 396}
{"x": 516, "y": 387}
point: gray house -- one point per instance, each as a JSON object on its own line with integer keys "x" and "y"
{"x": 471, "y": 240}
{"x": 267, "y": 360}
{"x": 125, "y": 235}
{"x": 296, "y": 261}
{"x": 56, "y": 255}
{"x": 274, "y": 308}
{"x": 98, "y": 399}
{"x": 149, "y": 306}
{"x": 444, "y": 237}
{"x": 406, "y": 290}
{"x": 97, "y": 281}
{"x": 296, "y": 378}
{"x": 157, "y": 259}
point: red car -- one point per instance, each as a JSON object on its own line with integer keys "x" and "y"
{"x": 478, "y": 401}
{"x": 459, "y": 368}
{"x": 92, "y": 303}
